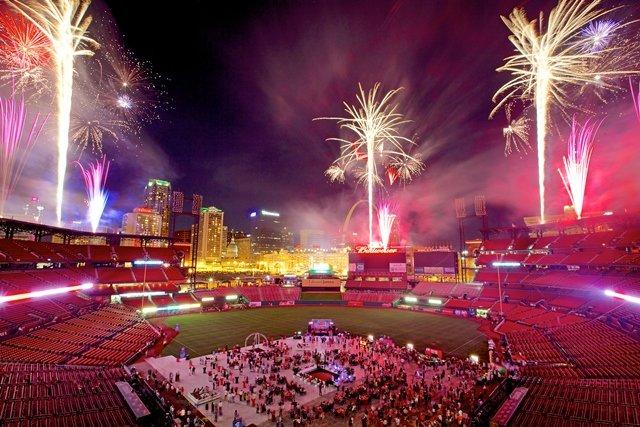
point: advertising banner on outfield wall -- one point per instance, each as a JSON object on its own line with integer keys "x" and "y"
{"x": 283, "y": 303}
{"x": 255, "y": 304}
{"x": 397, "y": 267}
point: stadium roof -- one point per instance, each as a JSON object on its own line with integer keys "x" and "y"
{"x": 9, "y": 227}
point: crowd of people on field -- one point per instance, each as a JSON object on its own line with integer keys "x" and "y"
{"x": 389, "y": 385}
{"x": 400, "y": 387}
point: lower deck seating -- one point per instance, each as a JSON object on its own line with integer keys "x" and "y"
{"x": 589, "y": 280}
{"x": 588, "y": 348}
{"x": 374, "y": 297}
{"x": 28, "y": 314}
{"x": 471, "y": 290}
{"x": 59, "y": 395}
{"x": 378, "y": 284}
{"x": 255, "y": 293}
{"x": 109, "y": 336}
{"x": 577, "y": 402}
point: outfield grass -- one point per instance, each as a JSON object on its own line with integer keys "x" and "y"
{"x": 203, "y": 332}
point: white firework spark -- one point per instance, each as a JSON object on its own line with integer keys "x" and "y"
{"x": 516, "y": 133}
{"x": 65, "y": 25}
{"x": 335, "y": 173}
{"x": 386, "y": 218}
{"x": 407, "y": 167}
{"x": 90, "y": 131}
{"x": 376, "y": 125}
{"x": 550, "y": 56}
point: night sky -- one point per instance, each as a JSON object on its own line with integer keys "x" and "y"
{"x": 245, "y": 81}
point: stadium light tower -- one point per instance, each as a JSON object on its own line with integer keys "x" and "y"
{"x": 480, "y": 205}
{"x": 178, "y": 210}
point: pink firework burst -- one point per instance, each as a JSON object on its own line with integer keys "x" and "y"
{"x": 95, "y": 179}
{"x": 576, "y": 162}
{"x": 17, "y": 139}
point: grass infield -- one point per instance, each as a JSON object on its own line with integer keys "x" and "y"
{"x": 203, "y": 332}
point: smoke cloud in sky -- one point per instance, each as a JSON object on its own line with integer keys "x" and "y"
{"x": 443, "y": 54}
{"x": 246, "y": 83}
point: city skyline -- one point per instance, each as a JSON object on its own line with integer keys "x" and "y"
{"x": 319, "y": 212}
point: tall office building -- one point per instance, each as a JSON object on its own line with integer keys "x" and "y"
{"x": 225, "y": 240}
{"x": 210, "y": 243}
{"x": 268, "y": 233}
{"x": 142, "y": 221}
{"x": 157, "y": 196}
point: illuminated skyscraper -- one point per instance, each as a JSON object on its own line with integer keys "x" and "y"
{"x": 142, "y": 221}
{"x": 268, "y": 233}
{"x": 157, "y": 196}
{"x": 210, "y": 244}
{"x": 225, "y": 240}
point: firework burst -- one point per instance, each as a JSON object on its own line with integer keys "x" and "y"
{"x": 24, "y": 53}
{"x": 599, "y": 34}
{"x": 65, "y": 25}
{"x": 121, "y": 96}
{"x": 131, "y": 90}
{"x": 95, "y": 178}
{"x": 376, "y": 124}
{"x": 386, "y": 218}
{"x": 335, "y": 173}
{"x": 516, "y": 134}
{"x": 576, "y": 162}
{"x": 550, "y": 56}
{"x": 15, "y": 143}
{"x": 89, "y": 131}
